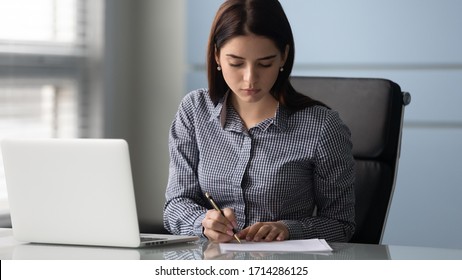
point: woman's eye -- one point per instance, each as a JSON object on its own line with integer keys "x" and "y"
{"x": 241, "y": 64}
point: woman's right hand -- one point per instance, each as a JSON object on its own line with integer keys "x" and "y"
{"x": 219, "y": 228}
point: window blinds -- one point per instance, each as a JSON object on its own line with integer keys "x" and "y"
{"x": 42, "y": 49}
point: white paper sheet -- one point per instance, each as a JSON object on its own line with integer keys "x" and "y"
{"x": 305, "y": 245}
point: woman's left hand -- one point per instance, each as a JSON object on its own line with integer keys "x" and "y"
{"x": 265, "y": 231}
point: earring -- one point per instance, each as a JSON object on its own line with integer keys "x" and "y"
{"x": 219, "y": 68}
{"x": 281, "y": 69}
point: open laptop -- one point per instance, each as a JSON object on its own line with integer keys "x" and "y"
{"x": 74, "y": 191}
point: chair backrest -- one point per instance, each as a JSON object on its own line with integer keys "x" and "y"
{"x": 373, "y": 110}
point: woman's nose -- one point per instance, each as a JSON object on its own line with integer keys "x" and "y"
{"x": 250, "y": 74}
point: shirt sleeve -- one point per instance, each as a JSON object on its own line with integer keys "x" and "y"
{"x": 334, "y": 175}
{"x": 184, "y": 209}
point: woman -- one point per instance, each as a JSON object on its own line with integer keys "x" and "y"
{"x": 277, "y": 162}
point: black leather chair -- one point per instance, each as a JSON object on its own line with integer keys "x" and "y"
{"x": 373, "y": 110}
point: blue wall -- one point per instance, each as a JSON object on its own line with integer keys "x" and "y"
{"x": 418, "y": 44}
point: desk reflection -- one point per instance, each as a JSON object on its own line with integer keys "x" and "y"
{"x": 188, "y": 251}
{"x": 69, "y": 252}
{"x": 341, "y": 251}
{"x": 204, "y": 250}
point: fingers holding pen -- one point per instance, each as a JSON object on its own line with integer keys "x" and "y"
{"x": 219, "y": 227}
{"x": 229, "y": 215}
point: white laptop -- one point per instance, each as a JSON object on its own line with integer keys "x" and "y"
{"x": 74, "y": 191}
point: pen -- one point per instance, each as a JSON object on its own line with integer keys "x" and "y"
{"x": 209, "y": 197}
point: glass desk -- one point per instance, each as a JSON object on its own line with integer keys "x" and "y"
{"x": 11, "y": 249}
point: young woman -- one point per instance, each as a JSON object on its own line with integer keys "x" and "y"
{"x": 277, "y": 162}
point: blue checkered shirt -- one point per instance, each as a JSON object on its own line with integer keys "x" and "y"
{"x": 296, "y": 167}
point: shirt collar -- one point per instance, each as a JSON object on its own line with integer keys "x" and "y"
{"x": 220, "y": 111}
{"x": 280, "y": 120}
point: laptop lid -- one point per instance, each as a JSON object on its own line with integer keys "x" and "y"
{"x": 73, "y": 191}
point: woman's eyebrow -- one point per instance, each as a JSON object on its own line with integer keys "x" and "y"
{"x": 262, "y": 58}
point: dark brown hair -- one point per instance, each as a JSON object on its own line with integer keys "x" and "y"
{"x": 262, "y": 18}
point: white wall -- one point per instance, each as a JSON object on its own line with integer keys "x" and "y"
{"x": 159, "y": 89}
{"x": 145, "y": 68}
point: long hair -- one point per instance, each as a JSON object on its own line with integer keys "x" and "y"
{"x": 262, "y": 18}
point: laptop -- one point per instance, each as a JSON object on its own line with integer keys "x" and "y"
{"x": 76, "y": 192}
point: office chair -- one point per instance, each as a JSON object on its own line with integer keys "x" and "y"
{"x": 373, "y": 110}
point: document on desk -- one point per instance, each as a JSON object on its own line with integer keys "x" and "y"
{"x": 303, "y": 245}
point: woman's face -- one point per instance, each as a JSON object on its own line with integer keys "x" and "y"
{"x": 250, "y": 65}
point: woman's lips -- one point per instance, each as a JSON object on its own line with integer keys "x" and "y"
{"x": 250, "y": 91}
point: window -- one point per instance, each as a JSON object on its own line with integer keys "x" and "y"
{"x": 42, "y": 66}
